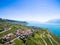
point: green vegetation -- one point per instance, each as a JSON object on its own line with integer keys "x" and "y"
{"x": 18, "y": 42}
{"x": 17, "y": 34}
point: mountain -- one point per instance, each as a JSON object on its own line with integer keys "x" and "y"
{"x": 13, "y": 21}
{"x": 54, "y": 21}
{"x": 12, "y": 34}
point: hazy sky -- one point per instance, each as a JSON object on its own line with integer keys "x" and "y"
{"x": 30, "y": 10}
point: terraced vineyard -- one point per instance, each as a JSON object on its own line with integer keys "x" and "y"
{"x": 15, "y": 34}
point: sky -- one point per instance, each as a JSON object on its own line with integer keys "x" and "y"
{"x": 30, "y": 10}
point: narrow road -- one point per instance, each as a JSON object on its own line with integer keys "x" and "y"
{"x": 49, "y": 39}
{"x": 13, "y": 39}
{"x": 5, "y": 30}
{"x": 43, "y": 39}
{"x": 54, "y": 40}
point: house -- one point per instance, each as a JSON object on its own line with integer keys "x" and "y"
{"x": 1, "y": 44}
{"x": 7, "y": 36}
{"x": 23, "y": 33}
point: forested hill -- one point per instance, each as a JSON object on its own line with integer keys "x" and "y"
{"x": 13, "y": 21}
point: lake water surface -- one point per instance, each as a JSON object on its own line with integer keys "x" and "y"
{"x": 54, "y": 28}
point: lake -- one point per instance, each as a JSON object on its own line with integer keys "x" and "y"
{"x": 54, "y": 28}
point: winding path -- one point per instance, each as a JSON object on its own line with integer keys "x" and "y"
{"x": 5, "y": 30}
{"x": 43, "y": 39}
{"x": 54, "y": 40}
{"x": 49, "y": 39}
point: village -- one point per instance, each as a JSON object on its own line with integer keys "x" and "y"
{"x": 9, "y": 38}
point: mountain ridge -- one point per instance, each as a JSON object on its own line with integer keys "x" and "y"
{"x": 13, "y": 21}
{"x": 54, "y": 21}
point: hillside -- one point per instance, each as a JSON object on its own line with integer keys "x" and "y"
{"x": 54, "y": 21}
{"x": 13, "y": 21}
{"x": 15, "y": 34}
